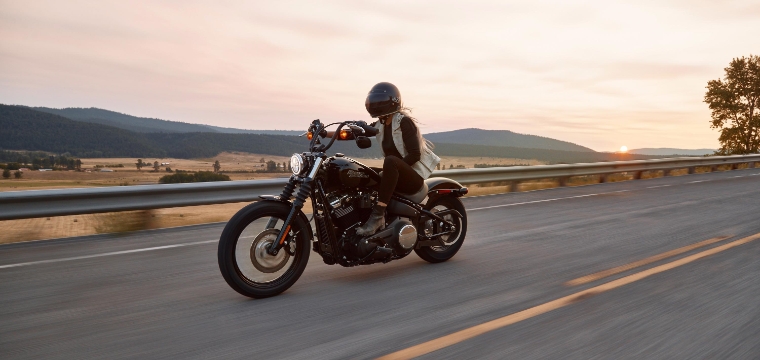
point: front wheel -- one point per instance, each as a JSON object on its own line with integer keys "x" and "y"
{"x": 451, "y": 242}
{"x": 243, "y": 259}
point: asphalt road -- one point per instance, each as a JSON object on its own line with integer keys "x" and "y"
{"x": 159, "y": 294}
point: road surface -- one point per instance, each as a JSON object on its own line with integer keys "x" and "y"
{"x": 680, "y": 280}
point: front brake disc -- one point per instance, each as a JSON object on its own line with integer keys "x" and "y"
{"x": 261, "y": 260}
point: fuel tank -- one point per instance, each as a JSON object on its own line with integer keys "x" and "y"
{"x": 349, "y": 172}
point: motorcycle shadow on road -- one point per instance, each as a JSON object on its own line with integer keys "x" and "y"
{"x": 412, "y": 267}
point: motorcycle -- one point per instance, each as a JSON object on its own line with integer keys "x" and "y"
{"x": 265, "y": 246}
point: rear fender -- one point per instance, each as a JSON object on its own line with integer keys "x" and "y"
{"x": 441, "y": 186}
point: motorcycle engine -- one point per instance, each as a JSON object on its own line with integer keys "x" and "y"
{"x": 350, "y": 207}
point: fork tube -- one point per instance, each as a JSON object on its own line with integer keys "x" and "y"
{"x": 303, "y": 193}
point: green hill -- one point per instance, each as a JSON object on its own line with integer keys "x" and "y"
{"x": 22, "y": 128}
{"x": 502, "y": 138}
{"x": 124, "y": 121}
{"x": 148, "y": 125}
{"x": 549, "y": 156}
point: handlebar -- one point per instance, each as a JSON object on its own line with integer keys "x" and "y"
{"x": 357, "y": 128}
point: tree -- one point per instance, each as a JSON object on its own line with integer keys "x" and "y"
{"x": 262, "y": 161}
{"x": 217, "y": 166}
{"x": 735, "y": 105}
{"x": 6, "y": 173}
{"x": 78, "y": 164}
{"x": 284, "y": 166}
{"x": 156, "y": 166}
{"x": 139, "y": 164}
{"x": 271, "y": 166}
{"x": 451, "y": 166}
{"x": 17, "y": 174}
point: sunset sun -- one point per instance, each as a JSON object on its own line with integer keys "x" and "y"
{"x": 623, "y": 149}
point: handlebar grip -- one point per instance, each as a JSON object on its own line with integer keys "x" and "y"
{"x": 369, "y": 131}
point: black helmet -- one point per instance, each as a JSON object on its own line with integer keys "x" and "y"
{"x": 383, "y": 99}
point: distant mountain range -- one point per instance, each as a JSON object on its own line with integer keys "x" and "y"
{"x": 502, "y": 138}
{"x": 148, "y": 125}
{"x": 672, "y": 151}
{"x": 25, "y": 128}
{"x": 151, "y": 125}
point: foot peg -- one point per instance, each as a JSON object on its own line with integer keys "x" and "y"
{"x": 383, "y": 250}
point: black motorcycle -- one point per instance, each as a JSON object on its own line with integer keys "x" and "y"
{"x": 265, "y": 247}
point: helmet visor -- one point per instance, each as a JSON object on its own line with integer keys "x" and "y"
{"x": 378, "y": 104}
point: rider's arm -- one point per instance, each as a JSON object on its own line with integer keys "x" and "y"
{"x": 411, "y": 141}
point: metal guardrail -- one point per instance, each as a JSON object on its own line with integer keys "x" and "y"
{"x": 43, "y": 203}
{"x": 536, "y": 172}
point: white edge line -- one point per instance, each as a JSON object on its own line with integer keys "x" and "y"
{"x": 657, "y": 186}
{"x": 545, "y": 200}
{"x": 107, "y": 254}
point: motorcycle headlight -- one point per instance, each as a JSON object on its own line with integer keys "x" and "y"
{"x": 296, "y": 164}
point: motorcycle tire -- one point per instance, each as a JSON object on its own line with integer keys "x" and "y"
{"x": 229, "y": 250}
{"x": 441, "y": 254}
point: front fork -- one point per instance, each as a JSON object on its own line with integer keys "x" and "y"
{"x": 303, "y": 193}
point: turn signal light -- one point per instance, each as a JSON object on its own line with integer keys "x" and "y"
{"x": 344, "y": 134}
{"x": 309, "y": 135}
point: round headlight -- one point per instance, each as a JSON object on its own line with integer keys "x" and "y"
{"x": 296, "y": 163}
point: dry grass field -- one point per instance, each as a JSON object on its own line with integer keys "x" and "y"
{"x": 78, "y": 225}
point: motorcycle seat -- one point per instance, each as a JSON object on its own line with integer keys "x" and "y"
{"x": 418, "y": 196}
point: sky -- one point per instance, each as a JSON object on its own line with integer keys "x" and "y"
{"x": 601, "y": 74}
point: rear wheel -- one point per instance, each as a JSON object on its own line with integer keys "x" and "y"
{"x": 242, "y": 254}
{"x": 451, "y": 242}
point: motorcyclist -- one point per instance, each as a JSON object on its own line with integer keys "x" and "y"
{"x": 409, "y": 159}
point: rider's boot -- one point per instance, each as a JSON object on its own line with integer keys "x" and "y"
{"x": 375, "y": 222}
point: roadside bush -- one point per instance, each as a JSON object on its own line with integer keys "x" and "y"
{"x": 200, "y": 176}
{"x": 6, "y": 173}
{"x": 17, "y": 174}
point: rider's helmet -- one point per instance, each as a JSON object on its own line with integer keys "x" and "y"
{"x": 383, "y": 99}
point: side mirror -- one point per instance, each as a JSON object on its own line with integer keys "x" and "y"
{"x": 363, "y": 142}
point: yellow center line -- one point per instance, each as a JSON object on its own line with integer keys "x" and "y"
{"x": 471, "y": 332}
{"x": 642, "y": 262}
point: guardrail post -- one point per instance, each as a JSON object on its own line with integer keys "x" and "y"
{"x": 713, "y": 168}
{"x": 734, "y": 166}
{"x": 637, "y": 175}
{"x": 692, "y": 170}
{"x": 751, "y": 165}
{"x": 666, "y": 172}
{"x": 563, "y": 180}
{"x": 603, "y": 178}
{"x": 513, "y": 186}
